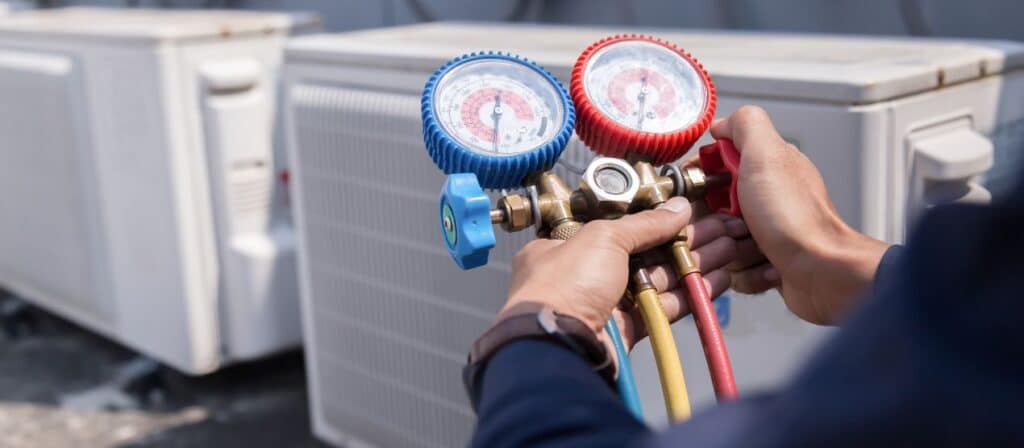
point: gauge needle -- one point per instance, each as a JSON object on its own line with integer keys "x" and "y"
{"x": 641, "y": 98}
{"x": 496, "y": 116}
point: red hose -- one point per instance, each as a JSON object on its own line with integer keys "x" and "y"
{"x": 711, "y": 338}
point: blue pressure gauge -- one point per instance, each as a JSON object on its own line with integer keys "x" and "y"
{"x": 489, "y": 120}
{"x": 498, "y": 116}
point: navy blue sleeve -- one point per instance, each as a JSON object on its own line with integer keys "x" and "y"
{"x": 887, "y": 273}
{"x": 539, "y": 393}
{"x": 934, "y": 358}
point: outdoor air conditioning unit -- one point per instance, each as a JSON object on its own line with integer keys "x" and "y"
{"x": 893, "y": 124}
{"x": 141, "y": 193}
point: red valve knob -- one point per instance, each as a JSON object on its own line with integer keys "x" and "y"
{"x": 721, "y": 164}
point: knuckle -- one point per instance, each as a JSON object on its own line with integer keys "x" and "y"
{"x": 600, "y": 229}
{"x": 527, "y": 251}
{"x": 750, "y": 113}
{"x": 727, "y": 246}
{"x": 741, "y": 283}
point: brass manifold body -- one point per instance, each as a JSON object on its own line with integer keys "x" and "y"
{"x": 608, "y": 189}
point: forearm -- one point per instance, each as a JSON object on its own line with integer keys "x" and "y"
{"x": 541, "y": 393}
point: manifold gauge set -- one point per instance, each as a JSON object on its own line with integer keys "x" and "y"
{"x": 498, "y": 121}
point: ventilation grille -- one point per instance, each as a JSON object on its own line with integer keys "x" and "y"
{"x": 393, "y": 316}
{"x": 251, "y": 194}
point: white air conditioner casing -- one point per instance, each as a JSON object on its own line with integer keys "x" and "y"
{"x": 893, "y": 124}
{"x": 140, "y": 189}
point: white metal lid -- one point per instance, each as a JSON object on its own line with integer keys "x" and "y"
{"x": 827, "y": 68}
{"x": 143, "y": 24}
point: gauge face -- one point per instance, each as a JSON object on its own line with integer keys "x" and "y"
{"x": 498, "y": 107}
{"x": 645, "y": 86}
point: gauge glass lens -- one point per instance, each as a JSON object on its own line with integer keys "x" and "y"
{"x": 645, "y": 86}
{"x": 498, "y": 107}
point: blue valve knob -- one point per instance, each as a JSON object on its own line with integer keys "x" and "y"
{"x": 466, "y": 220}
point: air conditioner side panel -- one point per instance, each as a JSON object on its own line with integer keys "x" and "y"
{"x": 160, "y": 249}
{"x": 120, "y": 132}
{"x": 231, "y": 109}
{"x": 50, "y": 245}
{"x": 990, "y": 105}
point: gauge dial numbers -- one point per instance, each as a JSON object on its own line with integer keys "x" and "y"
{"x": 643, "y": 95}
{"x": 497, "y": 107}
{"x": 498, "y": 116}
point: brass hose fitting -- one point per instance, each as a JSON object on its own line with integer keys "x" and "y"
{"x": 685, "y": 264}
{"x": 639, "y": 279}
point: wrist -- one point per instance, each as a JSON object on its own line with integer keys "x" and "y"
{"x": 538, "y": 321}
{"x": 842, "y": 266}
{"x": 518, "y": 305}
{"x": 526, "y": 300}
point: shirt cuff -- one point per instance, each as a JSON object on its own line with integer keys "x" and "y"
{"x": 886, "y": 270}
{"x": 530, "y": 361}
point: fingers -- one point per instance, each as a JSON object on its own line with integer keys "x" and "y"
{"x": 736, "y": 227}
{"x": 756, "y": 280}
{"x": 702, "y": 232}
{"x": 710, "y": 257}
{"x": 641, "y": 231}
{"x": 747, "y": 125}
{"x": 674, "y": 301}
{"x": 747, "y": 255}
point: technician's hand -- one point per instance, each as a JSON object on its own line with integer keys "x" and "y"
{"x": 819, "y": 263}
{"x": 586, "y": 276}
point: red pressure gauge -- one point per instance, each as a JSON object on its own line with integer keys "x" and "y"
{"x": 641, "y": 96}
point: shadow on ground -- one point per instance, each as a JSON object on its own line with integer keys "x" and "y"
{"x": 58, "y": 388}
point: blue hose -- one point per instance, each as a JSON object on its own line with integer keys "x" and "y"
{"x": 625, "y": 381}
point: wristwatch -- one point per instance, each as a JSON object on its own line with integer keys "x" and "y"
{"x": 545, "y": 324}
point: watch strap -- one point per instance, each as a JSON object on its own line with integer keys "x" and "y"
{"x": 544, "y": 325}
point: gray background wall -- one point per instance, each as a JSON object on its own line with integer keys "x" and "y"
{"x": 959, "y": 18}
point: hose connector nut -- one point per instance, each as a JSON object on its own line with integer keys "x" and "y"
{"x": 517, "y": 212}
{"x": 695, "y": 183}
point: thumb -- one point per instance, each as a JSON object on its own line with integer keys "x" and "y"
{"x": 641, "y": 231}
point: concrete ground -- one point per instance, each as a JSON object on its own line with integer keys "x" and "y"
{"x": 62, "y": 386}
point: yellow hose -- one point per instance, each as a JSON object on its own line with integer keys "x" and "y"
{"x": 670, "y": 370}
